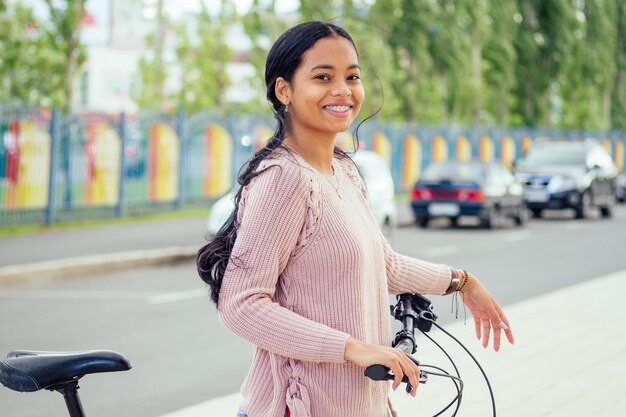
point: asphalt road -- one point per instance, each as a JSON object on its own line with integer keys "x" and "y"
{"x": 161, "y": 318}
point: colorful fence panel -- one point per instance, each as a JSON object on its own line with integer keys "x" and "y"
{"x": 25, "y": 165}
{"x": 163, "y": 159}
{"x": 96, "y": 165}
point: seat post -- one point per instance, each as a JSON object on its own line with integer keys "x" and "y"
{"x": 72, "y": 400}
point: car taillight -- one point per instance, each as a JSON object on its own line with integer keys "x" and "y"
{"x": 470, "y": 195}
{"x": 421, "y": 194}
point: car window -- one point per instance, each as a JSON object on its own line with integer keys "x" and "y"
{"x": 554, "y": 155}
{"x": 454, "y": 171}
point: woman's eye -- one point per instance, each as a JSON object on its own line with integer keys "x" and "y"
{"x": 354, "y": 77}
{"x": 323, "y": 77}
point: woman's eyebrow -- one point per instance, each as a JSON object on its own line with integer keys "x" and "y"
{"x": 328, "y": 66}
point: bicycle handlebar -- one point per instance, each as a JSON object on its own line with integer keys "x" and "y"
{"x": 412, "y": 310}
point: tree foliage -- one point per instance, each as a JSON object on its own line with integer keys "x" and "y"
{"x": 557, "y": 63}
{"x": 41, "y": 59}
{"x": 203, "y": 56}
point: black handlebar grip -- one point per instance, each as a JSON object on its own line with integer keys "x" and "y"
{"x": 377, "y": 372}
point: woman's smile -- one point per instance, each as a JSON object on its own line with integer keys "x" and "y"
{"x": 339, "y": 110}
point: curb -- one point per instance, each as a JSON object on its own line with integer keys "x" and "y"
{"x": 95, "y": 264}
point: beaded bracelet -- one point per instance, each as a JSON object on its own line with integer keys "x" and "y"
{"x": 465, "y": 278}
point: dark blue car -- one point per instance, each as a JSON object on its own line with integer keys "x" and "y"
{"x": 453, "y": 189}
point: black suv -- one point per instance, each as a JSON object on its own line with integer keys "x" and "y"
{"x": 568, "y": 175}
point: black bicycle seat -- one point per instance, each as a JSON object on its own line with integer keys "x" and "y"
{"x": 28, "y": 371}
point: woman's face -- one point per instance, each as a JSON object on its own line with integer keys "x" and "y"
{"x": 325, "y": 94}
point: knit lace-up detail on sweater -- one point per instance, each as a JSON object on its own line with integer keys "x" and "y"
{"x": 310, "y": 269}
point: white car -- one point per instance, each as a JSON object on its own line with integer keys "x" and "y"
{"x": 377, "y": 178}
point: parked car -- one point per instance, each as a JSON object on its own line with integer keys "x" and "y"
{"x": 620, "y": 190}
{"x": 453, "y": 189}
{"x": 568, "y": 175}
{"x": 376, "y": 176}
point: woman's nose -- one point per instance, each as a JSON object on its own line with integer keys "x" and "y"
{"x": 341, "y": 89}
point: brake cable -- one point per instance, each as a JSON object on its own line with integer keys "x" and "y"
{"x": 415, "y": 311}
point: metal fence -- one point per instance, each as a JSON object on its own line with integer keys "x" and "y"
{"x": 56, "y": 168}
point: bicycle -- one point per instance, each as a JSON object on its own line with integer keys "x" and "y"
{"x": 416, "y": 311}
{"x": 30, "y": 371}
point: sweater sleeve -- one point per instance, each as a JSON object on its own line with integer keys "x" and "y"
{"x": 276, "y": 203}
{"x": 407, "y": 274}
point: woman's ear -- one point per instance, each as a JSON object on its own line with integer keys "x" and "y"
{"x": 282, "y": 89}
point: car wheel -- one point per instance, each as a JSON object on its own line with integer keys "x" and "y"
{"x": 582, "y": 210}
{"x": 454, "y": 221}
{"x": 536, "y": 213}
{"x": 486, "y": 221}
{"x": 607, "y": 211}
{"x": 422, "y": 222}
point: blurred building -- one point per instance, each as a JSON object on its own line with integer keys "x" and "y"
{"x": 114, "y": 33}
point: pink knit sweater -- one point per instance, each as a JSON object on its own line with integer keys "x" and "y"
{"x": 309, "y": 269}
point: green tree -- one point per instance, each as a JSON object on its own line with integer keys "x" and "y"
{"x": 407, "y": 23}
{"x": 203, "y": 56}
{"x": 587, "y": 94}
{"x": 499, "y": 60}
{"x": 263, "y": 28}
{"x": 150, "y": 93}
{"x": 543, "y": 46}
{"x": 63, "y": 36}
{"x": 323, "y": 10}
{"x": 18, "y": 65}
{"x": 618, "y": 98}
{"x": 41, "y": 60}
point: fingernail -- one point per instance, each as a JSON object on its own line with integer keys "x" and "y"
{"x": 504, "y": 326}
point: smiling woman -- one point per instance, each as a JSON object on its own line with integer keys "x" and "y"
{"x": 300, "y": 268}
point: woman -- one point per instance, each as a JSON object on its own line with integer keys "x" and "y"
{"x": 301, "y": 269}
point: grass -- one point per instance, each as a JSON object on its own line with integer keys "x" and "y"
{"x": 23, "y": 229}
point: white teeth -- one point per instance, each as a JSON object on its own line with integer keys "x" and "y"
{"x": 338, "y": 108}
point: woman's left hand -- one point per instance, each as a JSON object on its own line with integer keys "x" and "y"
{"x": 487, "y": 313}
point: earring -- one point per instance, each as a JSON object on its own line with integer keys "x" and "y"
{"x": 286, "y": 108}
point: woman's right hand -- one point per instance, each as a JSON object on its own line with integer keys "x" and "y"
{"x": 365, "y": 354}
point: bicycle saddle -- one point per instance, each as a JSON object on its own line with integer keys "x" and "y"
{"x": 28, "y": 371}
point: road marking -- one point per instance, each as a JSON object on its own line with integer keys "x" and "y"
{"x": 76, "y": 295}
{"x": 440, "y": 251}
{"x": 517, "y": 236}
{"x": 172, "y": 297}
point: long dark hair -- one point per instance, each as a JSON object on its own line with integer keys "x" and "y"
{"x": 283, "y": 60}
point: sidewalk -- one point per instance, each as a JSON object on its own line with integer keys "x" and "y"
{"x": 568, "y": 360}
{"x": 86, "y": 250}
